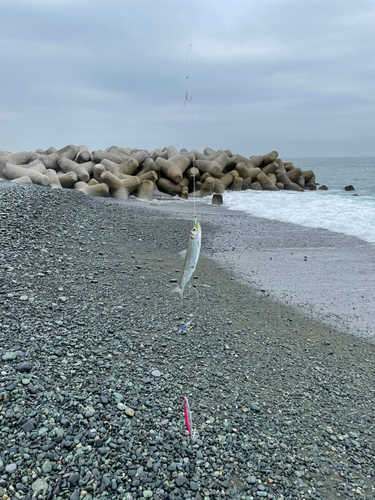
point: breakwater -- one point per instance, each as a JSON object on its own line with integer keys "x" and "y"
{"x": 120, "y": 172}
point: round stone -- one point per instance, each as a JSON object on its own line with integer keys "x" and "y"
{"x": 9, "y": 356}
{"x": 156, "y": 373}
{"x": 24, "y": 367}
{"x": 147, "y": 494}
{"x": 47, "y": 466}
{"x": 129, "y": 412}
{"x": 255, "y": 406}
{"x": 194, "y": 486}
{"x": 180, "y": 480}
{"x": 10, "y": 468}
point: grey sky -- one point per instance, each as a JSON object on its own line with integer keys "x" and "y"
{"x": 292, "y": 75}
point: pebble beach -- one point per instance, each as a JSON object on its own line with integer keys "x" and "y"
{"x": 94, "y": 367}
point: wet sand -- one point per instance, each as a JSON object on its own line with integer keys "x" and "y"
{"x": 327, "y": 276}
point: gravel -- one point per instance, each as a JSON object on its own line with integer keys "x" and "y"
{"x": 92, "y": 386}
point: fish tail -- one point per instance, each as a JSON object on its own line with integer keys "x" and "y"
{"x": 178, "y": 290}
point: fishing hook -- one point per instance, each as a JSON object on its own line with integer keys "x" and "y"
{"x": 187, "y": 98}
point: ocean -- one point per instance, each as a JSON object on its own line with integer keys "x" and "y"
{"x": 336, "y": 209}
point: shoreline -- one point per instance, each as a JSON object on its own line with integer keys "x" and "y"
{"x": 325, "y": 275}
{"x": 283, "y": 405}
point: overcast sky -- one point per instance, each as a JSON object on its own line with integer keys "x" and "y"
{"x": 297, "y": 76}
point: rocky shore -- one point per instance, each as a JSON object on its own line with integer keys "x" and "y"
{"x": 94, "y": 367}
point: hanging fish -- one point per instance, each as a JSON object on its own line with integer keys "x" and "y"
{"x": 191, "y": 257}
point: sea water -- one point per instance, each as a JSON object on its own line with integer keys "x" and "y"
{"x": 336, "y": 209}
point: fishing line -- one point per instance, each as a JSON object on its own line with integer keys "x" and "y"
{"x": 195, "y": 218}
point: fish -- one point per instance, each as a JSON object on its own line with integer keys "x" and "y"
{"x": 191, "y": 257}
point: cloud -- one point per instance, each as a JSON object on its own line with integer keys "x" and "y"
{"x": 278, "y": 70}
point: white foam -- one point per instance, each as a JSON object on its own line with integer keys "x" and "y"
{"x": 336, "y": 211}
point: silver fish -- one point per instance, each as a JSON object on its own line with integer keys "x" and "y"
{"x": 191, "y": 257}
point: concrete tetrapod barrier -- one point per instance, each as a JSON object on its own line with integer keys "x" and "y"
{"x": 301, "y": 181}
{"x": 67, "y": 165}
{"x": 98, "y": 170}
{"x": 36, "y": 165}
{"x": 310, "y": 185}
{"x": 54, "y": 180}
{"x": 158, "y": 153}
{"x": 140, "y": 156}
{"x": 270, "y": 157}
{"x": 294, "y": 174}
{"x": 236, "y": 184}
{"x": 308, "y": 175}
{"x": 145, "y": 190}
{"x": 284, "y": 179}
{"x": 212, "y": 170}
{"x": 15, "y": 171}
{"x": 185, "y": 193}
{"x": 83, "y": 155}
{"x": 256, "y": 161}
{"x": 237, "y": 159}
{"x": 67, "y": 180}
{"x": 88, "y": 166}
{"x": 288, "y": 184}
{"x": 224, "y": 182}
{"x": 50, "y": 150}
{"x": 101, "y": 190}
{"x": 99, "y": 155}
{"x": 50, "y": 161}
{"x": 265, "y": 182}
{"x": 280, "y": 164}
{"x": 207, "y": 167}
{"x": 148, "y": 164}
{"x": 273, "y": 179}
{"x": 23, "y": 180}
{"x": 128, "y": 167}
{"x": 218, "y": 164}
{"x": 194, "y": 176}
{"x": 22, "y": 157}
{"x": 169, "y": 186}
{"x": 208, "y": 186}
{"x": 69, "y": 151}
{"x": 174, "y": 171}
{"x": 201, "y": 156}
{"x": 120, "y": 188}
{"x": 253, "y": 172}
{"x": 111, "y": 166}
{"x": 148, "y": 176}
{"x": 270, "y": 168}
{"x": 243, "y": 170}
{"x": 116, "y": 187}
{"x": 119, "y": 150}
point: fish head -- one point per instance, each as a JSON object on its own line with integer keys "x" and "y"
{"x": 196, "y": 230}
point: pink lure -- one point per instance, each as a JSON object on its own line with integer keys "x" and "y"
{"x": 187, "y": 416}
